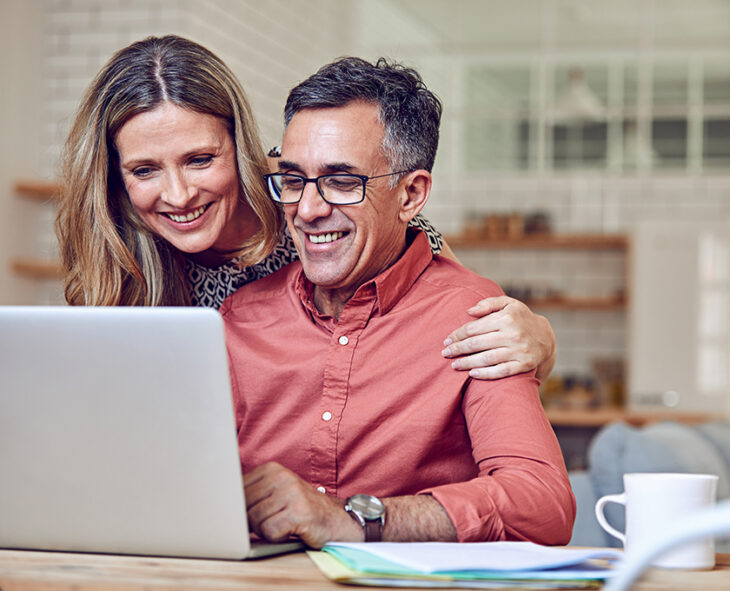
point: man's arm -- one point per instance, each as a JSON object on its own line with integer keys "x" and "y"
{"x": 417, "y": 518}
{"x": 280, "y": 504}
{"x": 521, "y": 491}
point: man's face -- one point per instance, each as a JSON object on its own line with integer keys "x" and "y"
{"x": 342, "y": 246}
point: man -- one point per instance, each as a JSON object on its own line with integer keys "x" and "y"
{"x": 339, "y": 391}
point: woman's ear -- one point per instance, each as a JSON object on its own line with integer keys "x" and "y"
{"x": 417, "y": 188}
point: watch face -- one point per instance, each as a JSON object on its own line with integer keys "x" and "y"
{"x": 368, "y": 506}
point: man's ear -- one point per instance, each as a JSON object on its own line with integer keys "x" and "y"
{"x": 415, "y": 193}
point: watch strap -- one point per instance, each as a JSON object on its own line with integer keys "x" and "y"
{"x": 373, "y": 530}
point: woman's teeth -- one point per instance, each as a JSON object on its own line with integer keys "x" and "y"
{"x": 322, "y": 238}
{"x": 195, "y": 214}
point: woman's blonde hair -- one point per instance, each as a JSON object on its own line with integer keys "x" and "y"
{"x": 108, "y": 255}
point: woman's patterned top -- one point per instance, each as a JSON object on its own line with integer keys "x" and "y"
{"x": 210, "y": 286}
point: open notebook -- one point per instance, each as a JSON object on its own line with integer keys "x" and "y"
{"x": 117, "y": 434}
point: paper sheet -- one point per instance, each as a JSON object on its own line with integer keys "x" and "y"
{"x": 496, "y": 557}
{"x": 336, "y": 571}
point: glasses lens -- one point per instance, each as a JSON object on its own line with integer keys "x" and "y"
{"x": 286, "y": 188}
{"x": 342, "y": 188}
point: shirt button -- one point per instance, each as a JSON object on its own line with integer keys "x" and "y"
{"x": 326, "y": 416}
{"x": 344, "y": 340}
{"x": 321, "y": 489}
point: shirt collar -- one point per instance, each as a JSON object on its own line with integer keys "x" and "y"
{"x": 388, "y": 287}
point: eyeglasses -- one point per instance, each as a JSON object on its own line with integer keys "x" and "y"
{"x": 335, "y": 189}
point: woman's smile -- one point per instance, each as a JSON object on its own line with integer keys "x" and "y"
{"x": 187, "y": 217}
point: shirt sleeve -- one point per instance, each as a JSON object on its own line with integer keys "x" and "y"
{"x": 522, "y": 491}
{"x": 435, "y": 238}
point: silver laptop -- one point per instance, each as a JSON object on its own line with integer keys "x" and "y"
{"x": 117, "y": 434}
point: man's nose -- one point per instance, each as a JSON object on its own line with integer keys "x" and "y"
{"x": 178, "y": 192}
{"x": 312, "y": 205}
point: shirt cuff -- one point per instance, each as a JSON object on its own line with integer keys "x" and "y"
{"x": 470, "y": 509}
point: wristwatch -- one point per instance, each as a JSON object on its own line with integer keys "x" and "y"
{"x": 369, "y": 512}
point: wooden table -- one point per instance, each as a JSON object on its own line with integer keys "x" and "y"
{"x": 56, "y": 571}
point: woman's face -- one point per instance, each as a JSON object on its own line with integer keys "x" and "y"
{"x": 179, "y": 169}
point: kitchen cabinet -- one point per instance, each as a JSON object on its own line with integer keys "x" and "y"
{"x": 680, "y": 322}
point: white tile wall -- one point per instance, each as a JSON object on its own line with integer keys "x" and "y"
{"x": 581, "y": 203}
{"x": 80, "y": 35}
{"x": 269, "y": 45}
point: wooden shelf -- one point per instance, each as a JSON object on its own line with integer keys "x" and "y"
{"x": 37, "y": 190}
{"x": 618, "y": 242}
{"x": 555, "y": 241}
{"x": 43, "y": 191}
{"x": 36, "y": 269}
{"x": 602, "y": 416}
{"x": 569, "y": 303}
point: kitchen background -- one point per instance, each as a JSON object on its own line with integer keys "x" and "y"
{"x": 584, "y": 162}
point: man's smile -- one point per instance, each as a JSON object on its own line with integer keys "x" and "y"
{"x": 327, "y": 237}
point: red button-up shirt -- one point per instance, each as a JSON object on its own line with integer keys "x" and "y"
{"x": 367, "y": 404}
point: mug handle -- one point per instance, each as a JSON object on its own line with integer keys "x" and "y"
{"x": 621, "y": 500}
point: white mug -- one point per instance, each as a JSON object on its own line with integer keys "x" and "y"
{"x": 654, "y": 501}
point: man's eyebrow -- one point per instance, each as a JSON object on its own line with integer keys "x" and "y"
{"x": 330, "y": 168}
{"x": 288, "y": 165}
{"x": 339, "y": 167}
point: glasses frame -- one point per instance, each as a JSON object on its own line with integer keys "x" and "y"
{"x": 363, "y": 179}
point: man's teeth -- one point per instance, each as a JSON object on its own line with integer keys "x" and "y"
{"x": 322, "y": 238}
{"x": 196, "y": 213}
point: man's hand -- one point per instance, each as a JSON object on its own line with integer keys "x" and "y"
{"x": 280, "y": 504}
{"x": 506, "y": 339}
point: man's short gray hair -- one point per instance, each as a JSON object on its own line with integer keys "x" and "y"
{"x": 409, "y": 112}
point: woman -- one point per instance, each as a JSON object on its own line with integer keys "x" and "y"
{"x": 163, "y": 202}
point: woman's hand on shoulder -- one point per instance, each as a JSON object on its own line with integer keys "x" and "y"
{"x": 504, "y": 339}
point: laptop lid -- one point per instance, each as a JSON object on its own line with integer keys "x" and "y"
{"x": 117, "y": 433}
